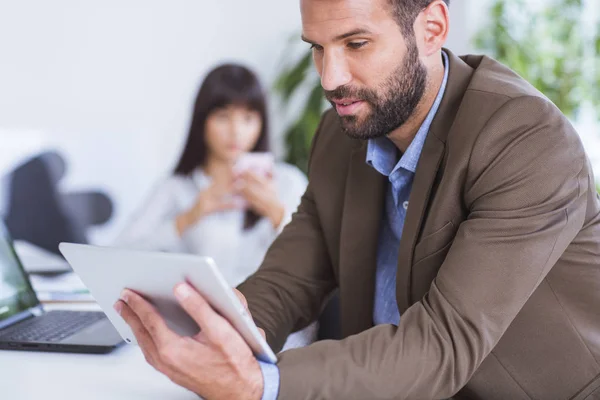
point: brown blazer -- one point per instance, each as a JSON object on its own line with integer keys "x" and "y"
{"x": 498, "y": 281}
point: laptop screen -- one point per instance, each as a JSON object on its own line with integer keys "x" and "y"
{"x": 16, "y": 294}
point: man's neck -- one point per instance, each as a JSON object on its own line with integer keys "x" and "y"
{"x": 403, "y": 136}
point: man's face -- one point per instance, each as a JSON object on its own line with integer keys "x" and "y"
{"x": 370, "y": 72}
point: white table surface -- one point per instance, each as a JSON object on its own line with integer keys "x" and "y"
{"x": 121, "y": 374}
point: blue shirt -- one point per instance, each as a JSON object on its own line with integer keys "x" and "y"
{"x": 382, "y": 155}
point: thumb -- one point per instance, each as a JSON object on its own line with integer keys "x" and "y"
{"x": 262, "y": 332}
{"x": 243, "y": 300}
{"x": 241, "y": 297}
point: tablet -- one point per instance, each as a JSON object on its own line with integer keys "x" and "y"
{"x": 107, "y": 271}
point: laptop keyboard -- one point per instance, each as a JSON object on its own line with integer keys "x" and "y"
{"x": 53, "y": 326}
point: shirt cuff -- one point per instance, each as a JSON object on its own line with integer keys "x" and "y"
{"x": 270, "y": 374}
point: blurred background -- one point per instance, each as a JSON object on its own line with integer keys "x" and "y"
{"x": 96, "y": 97}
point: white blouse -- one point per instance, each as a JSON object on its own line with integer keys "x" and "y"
{"x": 237, "y": 252}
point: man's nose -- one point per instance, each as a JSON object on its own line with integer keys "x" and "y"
{"x": 335, "y": 72}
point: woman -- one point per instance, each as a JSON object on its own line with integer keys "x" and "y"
{"x": 207, "y": 207}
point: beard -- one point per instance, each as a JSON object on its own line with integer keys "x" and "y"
{"x": 391, "y": 106}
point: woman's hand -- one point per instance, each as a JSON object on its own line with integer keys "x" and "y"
{"x": 217, "y": 197}
{"x": 259, "y": 191}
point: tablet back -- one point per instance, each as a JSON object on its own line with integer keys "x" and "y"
{"x": 107, "y": 271}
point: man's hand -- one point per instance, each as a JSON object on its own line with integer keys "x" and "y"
{"x": 216, "y": 363}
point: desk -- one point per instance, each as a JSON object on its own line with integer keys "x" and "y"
{"x": 120, "y": 375}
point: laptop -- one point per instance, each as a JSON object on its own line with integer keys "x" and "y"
{"x": 24, "y": 325}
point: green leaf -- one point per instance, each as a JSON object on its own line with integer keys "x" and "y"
{"x": 292, "y": 78}
{"x": 300, "y": 134}
{"x": 545, "y": 44}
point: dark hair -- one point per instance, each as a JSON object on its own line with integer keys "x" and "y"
{"x": 406, "y": 11}
{"x": 228, "y": 84}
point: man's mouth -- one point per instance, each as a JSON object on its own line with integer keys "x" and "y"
{"x": 345, "y": 107}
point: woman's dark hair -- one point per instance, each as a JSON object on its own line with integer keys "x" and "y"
{"x": 228, "y": 84}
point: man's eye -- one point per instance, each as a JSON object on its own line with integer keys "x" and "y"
{"x": 316, "y": 47}
{"x": 356, "y": 45}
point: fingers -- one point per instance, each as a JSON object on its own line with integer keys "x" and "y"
{"x": 233, "y": 203}
{"x": 213, "y": 326}
{"x": 241, "y": 297}
{"x": 142, "y": 336}
{"x": 243, "y": 300}
{"x": 147, "y": 315}
{"x": 251, "y": 190}
{"x": 253, "y": 178}
{"x": 263, "y": 333}
{"x": 252, "y": 182}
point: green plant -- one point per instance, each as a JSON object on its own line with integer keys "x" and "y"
{"x": 549, "y": 45}
{"x": 299, "y": 82}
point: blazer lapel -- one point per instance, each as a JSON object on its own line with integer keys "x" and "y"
{"x": 362, "y": 215}
{"x": 427, "y": 170}
{"x": 429, "y": 163}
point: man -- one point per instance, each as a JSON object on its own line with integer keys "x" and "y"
{"x": 454, "y": 208}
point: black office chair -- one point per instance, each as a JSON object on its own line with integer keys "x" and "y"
{"x": 38, "y": 212}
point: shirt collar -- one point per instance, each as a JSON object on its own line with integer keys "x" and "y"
{"x": 382, "y": 153}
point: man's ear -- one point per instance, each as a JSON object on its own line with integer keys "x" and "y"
{"x": 431, "y": 28}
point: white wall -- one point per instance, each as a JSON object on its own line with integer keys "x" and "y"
{"x": 464, "y": 17}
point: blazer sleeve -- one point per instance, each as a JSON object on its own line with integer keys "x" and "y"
{"x": 525, "y": 189}
{"x": 288, "y": 290}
